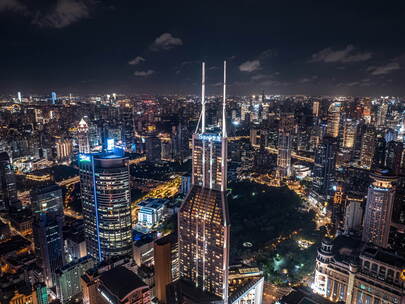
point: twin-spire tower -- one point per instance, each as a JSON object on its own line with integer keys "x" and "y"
{"x": 204, "y": 217}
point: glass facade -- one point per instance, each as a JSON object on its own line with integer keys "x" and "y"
{"x": 106, "y": 201}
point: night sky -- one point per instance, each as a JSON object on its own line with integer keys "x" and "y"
{"x": 279, "y": 47}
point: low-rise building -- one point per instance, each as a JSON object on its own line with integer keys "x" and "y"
{"x": 354, "y": 272}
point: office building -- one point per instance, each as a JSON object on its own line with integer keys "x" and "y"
{"x": 185, "y": 184}
{"x": 8, "y": 188}
{"x": 106, "y": 201}
{"x": 68, "y": 285}
{"x": 316, "y": 106}
{"x": 395, "y": 157}
{"x": 53, "y": 97}
{"x": 151, "y": 211}
{"x": 47, "y": 228}
{"x": 83, "y": 137}
{"x": 349, "y": 133}
{"x": 246, "y": 284}
{"x": 285, "y": 145}
{"x": 352, "y": 272}
{"x": 333, "y": 125}
{"x": 324, "y": 166}
{"x": 166, "y": 256}
{"x": 153, "y": 149}
{"x": 379, "y": 206}
{"x": 203, "y": 219}
{"x": 368, "y": 144}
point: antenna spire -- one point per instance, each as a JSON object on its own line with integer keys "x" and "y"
{"x": 203, "y": 99}
{"x": 224, "y": 105}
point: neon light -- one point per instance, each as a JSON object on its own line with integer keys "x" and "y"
{"x": 96, "y": 209}
{"x": 110, "y": 144}
{"x": 84, "y": 158}
{"x": 209, "y": 137}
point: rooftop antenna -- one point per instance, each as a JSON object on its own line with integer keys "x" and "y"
{"x": 224, "y": 105}
{"x": 203, "y": 98}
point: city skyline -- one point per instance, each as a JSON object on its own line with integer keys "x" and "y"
{"x": 86, "y": 46}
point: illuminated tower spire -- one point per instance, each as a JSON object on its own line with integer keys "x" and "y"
{"x": 203, "y": 221}
{"x": 224, "y": 105}
{"x": 203, "y": 99}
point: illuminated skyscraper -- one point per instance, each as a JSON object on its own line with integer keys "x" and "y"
{"x": 382, "y": 113}
{"x": 8, "y": 188}
{"x": 83, "y": 137}
{"x": 324, "y": 166}
{"x": 316, "y": 108}
{"x": 349, "y": 133}
{"x": 379, "y": 206}
{"x": 333, "y": 119}
{"x": 203, "y": 218}
{"x": 53, "y": 97}
{"x": 368, "y": 144}
{"x": 284, "y": 145}
{"x": 47, "y": 230}
{"x": 106, "y": 201}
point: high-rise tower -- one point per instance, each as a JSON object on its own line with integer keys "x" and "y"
{"x": 324, "y": 166}
{"x": 8, "y": 188}
{"x": 285, "y": 145}
{"x": 47, "y": 228}
{"x": 204, "y": 218}
{"x": 106, "y": 201}
{"x": 380, "y": 202}
{"x": 83, "y": 137}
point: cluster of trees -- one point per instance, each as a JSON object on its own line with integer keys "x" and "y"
{"x": 262, "y": 216}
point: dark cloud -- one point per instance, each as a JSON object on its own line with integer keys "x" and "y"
{"x": 65, "y": 13}
{"x": 165, "y": 42}
{"x": 384, "y": 69}
{"x": 250, "y": 66}
{"x": 144, "y": 73}
{"x": 346, "y": 55}
{"x": 12, "y": 5}
{"x": 136, "y": 60}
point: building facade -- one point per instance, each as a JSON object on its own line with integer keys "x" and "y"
{"x": 350, "y": 271}
{"x": 106, "y": 199}
{"x": 47, "y": 229}
{"x": 379, "y": 206}
{"x": 203, "y": 220}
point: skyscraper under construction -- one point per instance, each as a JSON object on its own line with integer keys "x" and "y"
{"x": 204, "y": 218}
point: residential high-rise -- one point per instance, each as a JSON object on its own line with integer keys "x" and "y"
{"x": 47, "y": 229}
{"x": 285, "y": 145}
{"x": 106, "y": 201}
{"x": 324, "y": 166}
{"x": 8, "y": 188}
{"x": 368, "y": 144}
{"x": 379, "y": 206}
{"x": 83, "y": 137}
{"x": 203, "y": 219}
